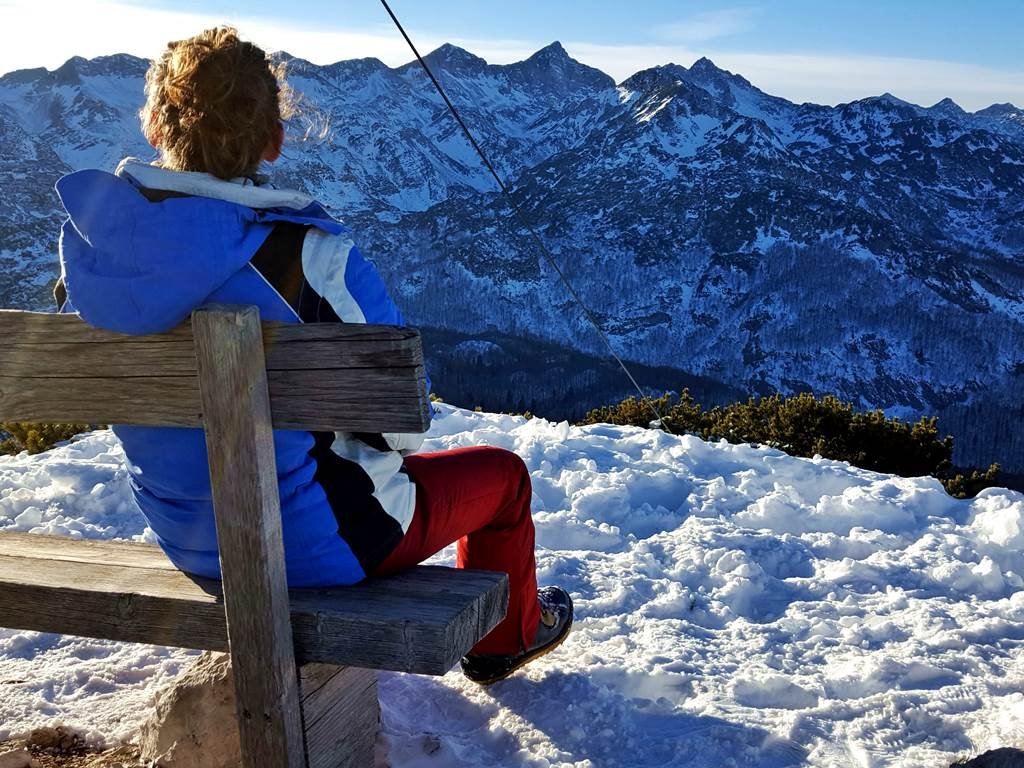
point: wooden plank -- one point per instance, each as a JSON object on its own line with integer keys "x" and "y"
{"x": 381, "y": 400}
{"x": 341, "y": 717}
{"x": 246, "y": 505}
{"x": 323, "y": 377}
{"x": 314, "y": 676}
{"x": 319, "y": 700}
{"x": 422, "y": 620}
{"x": 64, "y": 548}
{"x": 166, "y": 355}
{"x": 49, "y": 328}
{"x": 98, "y": 360}
{"x": 162, "y": 402}
{"x": 368, "y": 403}
{"x": 52, "y": 328}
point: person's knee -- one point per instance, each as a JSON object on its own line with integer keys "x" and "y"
{"x": 517, "y": 462}
{"x": 516, "y": 467}
{"x": 517, "y": 476}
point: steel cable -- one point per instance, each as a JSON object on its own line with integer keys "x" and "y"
{"x": 524, "y": 222}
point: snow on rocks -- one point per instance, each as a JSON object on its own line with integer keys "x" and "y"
{"x": 735, "y": 607}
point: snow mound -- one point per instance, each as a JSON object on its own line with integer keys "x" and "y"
{"x": 736, "y": 606}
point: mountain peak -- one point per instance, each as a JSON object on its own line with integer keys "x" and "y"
{"x": 553, "y": 67}
{"x": 72, "y": 70}
{"x": 948, "y": 107}
{"x": 885, "y": 100}
{"x": 289, "y": 62}
{"x": 23, "y": 76}
{"x": 998, "y": 110}
{"x": 712, "y": 78}
{"x": 450, "y": 56}
{"x": 704, "y": 65}
{"x": 364, "y": 66}
{"x": 890, "y": 99}
{"x": 551, "y": 52}
{"x": 663, "y": 74}
{"x": 68, "y": 72}
{"x": 885, "y": 103}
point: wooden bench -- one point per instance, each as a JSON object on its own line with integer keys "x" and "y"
{"x": 239, "y": 380}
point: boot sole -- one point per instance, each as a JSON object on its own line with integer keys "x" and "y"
{"x": 544, "y": 650}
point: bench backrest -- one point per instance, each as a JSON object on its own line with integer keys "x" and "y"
{"x": 238, "y": 380}
{"x": 324, "y": 376}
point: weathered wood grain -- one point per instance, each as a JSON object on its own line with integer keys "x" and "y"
{"x": 340, "y": 715}
{"x": 246, "y": 505}
{"x": 329, "y": 377}
{"x": 166, "y": 355}
{"x": 422, "y": 620}
{"x": 350, "y": 405}
{"x": 44, "y": 328}
{"x": 314, "y": 676}
{"x": 62, "y": 548}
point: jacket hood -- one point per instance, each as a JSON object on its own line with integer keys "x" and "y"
{"x": 136, "y": 266}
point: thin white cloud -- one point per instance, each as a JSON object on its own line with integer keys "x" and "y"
{"x": 825, "y": 78}
{"x": 101, "y": 27}
{"x": 708, "y": 25}
{"x": 33, "y": 38}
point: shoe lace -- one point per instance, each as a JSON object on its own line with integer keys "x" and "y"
{"x": 549, "y": 610}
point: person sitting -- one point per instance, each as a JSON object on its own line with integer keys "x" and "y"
{"x": 144, "y": 246}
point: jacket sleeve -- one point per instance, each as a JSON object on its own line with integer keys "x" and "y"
{"x": 336, "y": 269}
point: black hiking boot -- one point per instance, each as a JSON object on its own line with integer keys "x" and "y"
{"x": 555, "y": 623}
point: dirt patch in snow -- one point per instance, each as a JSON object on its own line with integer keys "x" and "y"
{"x": 63, "y": 747}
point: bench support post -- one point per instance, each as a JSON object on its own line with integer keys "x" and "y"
{"x": 340, "y": 715}
{"x": 243, "y": 476}
{"x": 194, "y": 722}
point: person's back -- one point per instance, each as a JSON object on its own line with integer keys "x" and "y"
{"x": 145, "y": 246}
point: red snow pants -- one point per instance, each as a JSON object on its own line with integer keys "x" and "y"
{"x": 480, "y": 497}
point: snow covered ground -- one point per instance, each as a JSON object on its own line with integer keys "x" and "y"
{"x": 736, "y": 607}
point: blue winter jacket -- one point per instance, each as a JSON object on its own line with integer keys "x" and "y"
{"x": 139, "y": 251}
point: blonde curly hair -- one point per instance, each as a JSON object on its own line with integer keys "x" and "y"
{"x": 214, "y": 103}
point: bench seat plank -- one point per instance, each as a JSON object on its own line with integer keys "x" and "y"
{"x": 419, "y": 621}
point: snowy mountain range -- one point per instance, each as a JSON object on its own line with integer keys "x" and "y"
{"x": 874, "y": 249}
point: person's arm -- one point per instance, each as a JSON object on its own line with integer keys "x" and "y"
{"x": 339, "y": 273}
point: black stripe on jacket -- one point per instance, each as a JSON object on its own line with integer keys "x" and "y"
{"x": 363, "y": 523}
{"x": 279, "y": 260}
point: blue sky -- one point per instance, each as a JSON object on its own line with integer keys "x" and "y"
{"x": 825, "y": 51}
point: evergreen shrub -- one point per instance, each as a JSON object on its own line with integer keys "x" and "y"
{"x": 805, "y": 425}
{"x": 16, "y": 437}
